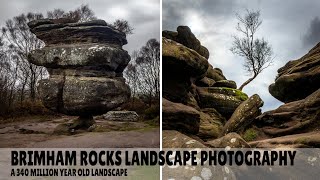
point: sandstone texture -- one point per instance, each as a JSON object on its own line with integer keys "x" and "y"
{"x": 85, "y": 62}
{"x": 299, "y": 78}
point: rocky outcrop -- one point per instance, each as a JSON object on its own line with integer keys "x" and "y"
{"x": 187, "y": 38}
{"x": 198, "y": 97}
{"x": 85, "y": 62}
{"x": 295, "y": 123}
{"x": 126, "y": 116}
{"x": 298, "y": 78}
{"x": 181, "y": 67}
{"x": 244, "y": 115}
{"x": 291, "y": 118}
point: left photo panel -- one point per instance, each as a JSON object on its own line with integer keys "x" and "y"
{"x": 79, "y": 74}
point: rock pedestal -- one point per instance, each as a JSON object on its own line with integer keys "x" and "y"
{"x": 85, "y": 62}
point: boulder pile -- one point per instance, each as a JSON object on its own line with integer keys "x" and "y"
{"x": 198, "y": 100}
{"x": 85, "y": 62}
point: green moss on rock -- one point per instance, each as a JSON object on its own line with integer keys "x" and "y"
{"x": 250, "y": 134}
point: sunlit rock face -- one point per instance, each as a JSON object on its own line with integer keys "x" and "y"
{"x": 85, "y": 62}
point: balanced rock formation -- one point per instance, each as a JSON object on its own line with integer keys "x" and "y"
{"x": 85, "y": 62}
{"x": 198, "y": 98}
{"x": 177, "y": 116}
{"x": 299, "y": 78}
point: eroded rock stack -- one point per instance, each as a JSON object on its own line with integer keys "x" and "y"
{"x": 198, "y": 99}
{"x": 297, "y": 122}
{"x": 85, "y": 62}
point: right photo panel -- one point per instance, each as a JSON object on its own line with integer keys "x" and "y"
{"x": 241, "y": 88}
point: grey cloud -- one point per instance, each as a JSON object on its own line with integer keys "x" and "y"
{"x": 312, "y": 37}
{"x": 174, "y": 11}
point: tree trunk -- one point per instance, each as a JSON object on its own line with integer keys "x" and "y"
{"x": 247, "y": 82}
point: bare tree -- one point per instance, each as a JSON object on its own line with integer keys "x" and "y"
{"x": 20, "y": 41}
{"x": 257, "y": 52}
{"x": 143, "y": 72}
{"x": 81, "y": 14}
{"x": 55, "y": 14}
{"x": 132, "y": 76}
{"x": 123, "y": 26}
{"x": 148, "y": 61}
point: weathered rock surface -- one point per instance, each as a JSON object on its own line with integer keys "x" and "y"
{"x": 121, "y": 116}
{"x": 187, "y": 38}
{"x": 243, "y": 116}
{"x": 205, "y": 82}
{"x": 181, "y": 67}
{"x": 233, "y": 140}
{"x": 299, "y": 78}
{"x": 85, "y": 62}
{"x": 177, "y": 116}
{"x": 198, "y": 97}
{"x": 209, "y": 127}
{"x": 225, "y": 83}
{"x": 304, "y": 140}
{"x": 69, "y": 33}
{"x": 175, "y": 139}
{"x": 98, "y": 56}
{"x": 215, "y": 74}
{"x": 224, "y": 100}
{"x": 291, "y": 118}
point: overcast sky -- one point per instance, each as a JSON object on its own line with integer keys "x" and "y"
{"x": 292, "y": 27}
{"x": 143, "y": 15}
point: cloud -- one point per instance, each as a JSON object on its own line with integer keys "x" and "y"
{"x": 312, "y": 37}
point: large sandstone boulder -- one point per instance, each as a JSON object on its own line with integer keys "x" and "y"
{"x": 177, "y": 116}
{"x": 291, "y": 118}
{"x": 96, "y": 31}
{"x": 187, "y": 38}
{"x": 181, "y": 67}
{"x": 99, "y": 56}
{"x": 299, "y": 78}
{"x": 232, "y": 140}
{"x": 224, "y": 100}
{"x": 85, "y": 62}
{"x": 243, "y": 116}
{"x": 121, "y": 116}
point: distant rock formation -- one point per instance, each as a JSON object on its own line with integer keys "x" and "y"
{"x": 85, "y": 62}
{"x": 299, "y": 78}
{"x": 297, "y": 122}
{"x": 197, "y": 98}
